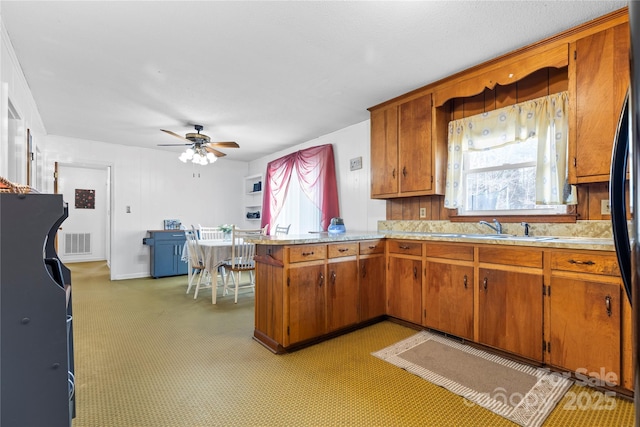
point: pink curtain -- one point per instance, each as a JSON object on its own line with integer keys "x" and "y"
{"x": 317, "y": 175}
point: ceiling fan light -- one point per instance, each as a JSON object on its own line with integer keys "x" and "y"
{"x": 212, "y": 157}
{"x": 183, "y": 157}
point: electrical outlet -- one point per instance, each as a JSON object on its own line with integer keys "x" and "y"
{"x": 423, "y": 212}
{"x": 355, "y": 163}
{"x": 605, "y": 208}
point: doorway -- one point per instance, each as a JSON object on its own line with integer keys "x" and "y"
{"x": 86, "y": 233}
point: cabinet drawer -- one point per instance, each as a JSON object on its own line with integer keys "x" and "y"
{"x": 307, "y": 253}
{"x": 171, "y": 235}
{"x": 510, "y": 256}
{"x": 405, "y": 247}
{"x": 598, "y": 263}
{"x": 372, "y": 247}
{"x": 449, "y": 251}
{"x": 337, "y": 250}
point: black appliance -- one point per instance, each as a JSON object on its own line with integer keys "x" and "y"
{"x": 36, "y": 331}
{"x": 627, "y": 147}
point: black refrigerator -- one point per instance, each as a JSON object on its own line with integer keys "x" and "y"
{"x": 626, "y": 160}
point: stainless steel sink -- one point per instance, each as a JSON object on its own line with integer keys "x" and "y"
{"x": 445, "y": 234}
{"x": 532, "y": 238}
{"x": 491, "y": 236}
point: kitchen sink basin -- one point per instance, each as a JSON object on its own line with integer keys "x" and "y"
{"x": 508, "y": 237}
{"x": 492, "y": 236}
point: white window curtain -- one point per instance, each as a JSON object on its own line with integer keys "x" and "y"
{"x": 545, "y": 118}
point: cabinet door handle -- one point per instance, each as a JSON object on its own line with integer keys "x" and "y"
{"x": 464, "y": 280}
{"x": 307, "y": 253}
{"x": 415, "y": 273}
{"x": 320, "y": 280}
{"x": 393, "y": 173}
{"x": 333, "y": 277}
{"x": 484, "y": 283}
{"x": 364, "y": 271}
{"x": 343, "y": 249}
{"x": 607, "y": 304}
{"x": 404, "y": 171}
{"x": 573, "y": 261}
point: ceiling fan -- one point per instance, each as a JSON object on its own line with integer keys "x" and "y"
{"x": 201, "y": 147}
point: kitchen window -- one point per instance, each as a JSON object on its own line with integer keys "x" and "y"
{"x": 511, "y": 161}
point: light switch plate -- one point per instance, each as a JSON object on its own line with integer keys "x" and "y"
{"x": 605, "y": 209}
{"x": 355, "y": 163}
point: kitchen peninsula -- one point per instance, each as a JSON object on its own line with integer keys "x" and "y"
{"x": 490, "y": 290}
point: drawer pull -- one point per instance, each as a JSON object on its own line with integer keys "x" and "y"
{"x": 607, "y": 304}
{"x": 343, "y": 249}
{"x": 320, "y": 280}
{"x": 465, "y": 281}
{"x": 307, "y": 253}
{"x": 372, "y": 247}
{"x": 573, "y": 261}
{"x": 484, "y": 283}
{"x": 404, "y": 247}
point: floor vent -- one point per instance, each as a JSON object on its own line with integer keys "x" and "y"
{"x": 77, "y": 243}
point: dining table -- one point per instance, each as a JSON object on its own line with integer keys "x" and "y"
{"x": 215, "y": 252}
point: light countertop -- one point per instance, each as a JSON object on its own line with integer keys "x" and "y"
{"x": 585, "y": 243}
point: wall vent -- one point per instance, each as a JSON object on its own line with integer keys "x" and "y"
{"x": 77, "y": 243}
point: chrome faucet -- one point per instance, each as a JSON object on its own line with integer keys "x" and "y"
{"x": 497, "y": 227}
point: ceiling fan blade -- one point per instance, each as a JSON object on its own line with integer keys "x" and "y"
{"x": 176, "y": 135}
{"x": 225, "y": 144}
{"x": 214, "y": 151}
{"x": 173, "y": 145}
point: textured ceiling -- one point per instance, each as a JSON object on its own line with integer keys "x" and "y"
{"x": 267, "y": 75}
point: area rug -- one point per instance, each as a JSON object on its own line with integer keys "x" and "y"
{"x": 523, "y": 394}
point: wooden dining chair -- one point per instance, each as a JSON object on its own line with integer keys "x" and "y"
{"x": 210, "y": 233}
{"x": 242, "y": 253}
{"x": 196, "y": 261}
{"x": 282, "y": 230}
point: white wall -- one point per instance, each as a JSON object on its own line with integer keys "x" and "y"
{"x": 359, "y": 211}
{"x": 155, "y": 185}
{"x": 14, "y": 88}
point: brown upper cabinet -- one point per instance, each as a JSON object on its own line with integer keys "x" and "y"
{"x": 598, "y": 83}
{"x": 409, "y": 133}
{"x": 405, "y": 161}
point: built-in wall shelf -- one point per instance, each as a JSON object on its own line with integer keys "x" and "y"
{"x": 253, "y": 186}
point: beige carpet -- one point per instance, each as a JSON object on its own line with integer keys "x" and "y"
{"x": 523, "y": 394}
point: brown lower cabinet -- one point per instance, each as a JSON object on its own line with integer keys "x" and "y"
{"x": 449, "y": 289}
{"x": 559, "y": 307}
{"x": 448, "y": 299}
{"x": 510, "y": 312}
{"x": 306, "y": 286}
{"x": 585, "y": 303}
{"x": 304, "y": 292}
